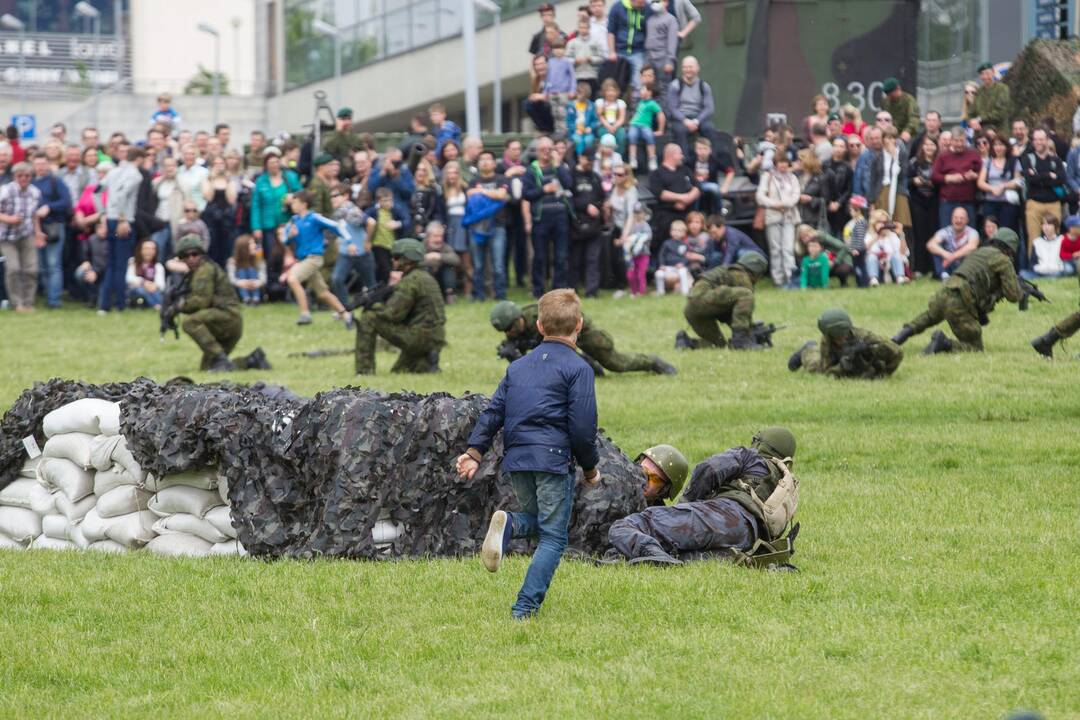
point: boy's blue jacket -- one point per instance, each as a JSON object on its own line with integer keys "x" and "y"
{"x": 546, "y": 408}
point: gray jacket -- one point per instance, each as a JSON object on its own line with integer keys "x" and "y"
{"x": 661, "y": 40}
{"x": 675, "y": 90}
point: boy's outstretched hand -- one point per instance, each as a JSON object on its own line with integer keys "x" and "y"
{"x": 466, "y": 466}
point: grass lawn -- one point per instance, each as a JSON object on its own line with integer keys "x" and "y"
{"x": 938, "y": 552}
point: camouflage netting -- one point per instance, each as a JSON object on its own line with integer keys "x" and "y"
{"x": 311, "y": 477}
{"x": 1045, "y": 81}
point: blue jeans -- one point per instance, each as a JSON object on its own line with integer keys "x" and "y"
{"x": 152, "y": 299}
{"x": 940, "y": 266}
{"x": 163, "y": 239}
{"x": 896, "y": 264}
{"x": 547, "y": 499}
{"x": 345, "y": 265}
{"x": 497, "y": 244}
{"x": 636, "y": 60}
{"x": 113, "y": 287}
{"x": 246, "y": 294}
{"x": 550, "y": 232}
{"x": 51, "y": 268}
{"x": 640, "y": 133}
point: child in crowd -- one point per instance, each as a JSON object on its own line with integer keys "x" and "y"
{"x": 698, "y": 243}
{"x": 814, "y": 271}
{"x": 707, "y": 171}
{"x": 1070, "y": 244}
{"x": 354, "y": 250}
{"x": 191, "y": 224}
{"x": 662, "y": 45}
{"x": 885, "y": 248}
{"x": 145, "y": 275}
{"x": 560, "y": 84}
{"x": 611, "y": 109}
{"x": 607, "y": 159}
{"x": 674, "y": 266}
{"x": 581, "y": 118}
{"x": 444, "y": 130}
{"x": 855, "y": 238}
{"x": 93, "y": 256}
{"x": 383, "y": 221}
{"x": 440, "y": 260}
{"x": 247, "y": 269}
{"x": 1047, "y": 249}
{"x": 305, "y": 237}
{"x": 641, "y": 127}
{"x": 635, "y": 244}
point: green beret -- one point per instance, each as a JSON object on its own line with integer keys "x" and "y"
{"x": 321, "y": 159}
{"x": 986, "y": 66}
{"x": 189, "y": 243}
{"x": 345, "y": 112}
{"x": 889, "y": 85}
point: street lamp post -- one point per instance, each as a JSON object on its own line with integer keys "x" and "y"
{"x": 496, "y": 92}
{"x": 11, "y": 22}
{"x": 86, "y": 10}
{"x": 333, "y": 31}
{"x": 216, "y": 81}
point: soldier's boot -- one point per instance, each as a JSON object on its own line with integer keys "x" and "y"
{"x": 256, "y": 360}
{"x": 742, "y": 340}
{"x": 902, "y": 337}
{"x": 795, "y": 361}
{"x": 683, "y": 341}
{"x": 939, "y": 343}
{"x": 433, "y": 361}
{"x": 222, "y": 363}
{"x": 1044, "y": 344}
{"x": 654, "y": 556}
{"x": 662, "y": 368}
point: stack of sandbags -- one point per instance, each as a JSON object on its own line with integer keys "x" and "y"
{"x": 192, "y": 515}
{"x": 22, "y": 504}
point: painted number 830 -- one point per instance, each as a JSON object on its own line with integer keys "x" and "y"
{"x": 862, "y": 96}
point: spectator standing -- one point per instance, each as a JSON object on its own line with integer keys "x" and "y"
{"x": 1060, "y": 146}
{"x": 561, "y": 84}
{"x": 778, "y": 192}
{"x": 220, "y": 212}
{"x": 270, "y": 199}
{"x": 867, "y": 159}
{"x": 54, "y": 212}
{"x": 955, "y": 174}
{"x": 123, "y": 183}
{"x": 814, "y": 190}
{"x": 192, "y": 224}
{"x": 662, "y": 46}
{"x": 635, "y": 240}
{"x": 454, "y": 198}
{"x": 537, "y": 104}
{"x": 839, "y": 175}
{"x": 902, "y": 107}
{"x": 247, "y": 270}
{"x": 991, "y": 104}
{"x": 424, "y": 203}
{"x": 191, "y": 176}
{"x": 549, "y": 30}
{"x": 952, "y": 243}
{"x": 74, "y": 173}
{"x": 820, "y": 142}
{"x": 6, "y": 159}
{"x": 383, "y": 223}
{"x": 20, "y": 236}
{"x": 587, "y": 233}
{"x": 1021, "y": 139}
{"x": 392, "y": 173}
{"x": 145, "y": 276}
{"x": 626, "y": 34}
{"x": 1044, "y": 176}
{"x": 690, "y": 104}
{"x": 546, "y": 186}
{"x": 253, "y": 159}
{"x": 513, "y": 169}
{"x": 444, "y": 130}
{"x": 853, "y": 122}
{"x": 888, "y": 178}
{"x": 587, "y": 52}
{"x": 598, "y": 21}
{"x": 621, "y": 200}
{"x": 342, "y": 141}
{"x": 354, "y": 255}
{"x": 855, "y": 238}
{"x": 673, "y": 186}
{"x": 91, "y": 205}
{"x": 819, "y": 113}
{"x": 931, "y": 129}
{"x": 647, "y": 115}
{"x": 1001, "y": 182}
{"x": 923, "y": 199}
{"x": 494, "y": 187}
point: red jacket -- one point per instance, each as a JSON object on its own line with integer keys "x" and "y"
{"x": 948, "y": 163}
{"x": 1069, "y": 247}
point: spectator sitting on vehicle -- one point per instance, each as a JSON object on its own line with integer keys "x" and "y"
{"x": 627, "y": 27}
{"x": 561, "y": 84}
{"x": 674, "y": 261}
{"x": 166, "y": 114}
{"x": 247, "y": 269}
{"x": 444, "y": 130}
{"x": 728, "y": 243}
{"x": 814, "y": 269}
{"x": 611, "y": 109}
{"x": 541, "y": 41}
{"x": 441, "y": 261}
{"x": 537, "y": 104}
{"x": 608, "y": 160}
{"x": 145, "y": 276}
{"x": 707, "y": 172}
{"x": 641, "y": 127}
{"x": 661, "y": 45}
{"x": 952, "y": 243}
{"x": 690, "y": 104}
{"x": 581, "y": 118}
{"x": 354, "y": 250}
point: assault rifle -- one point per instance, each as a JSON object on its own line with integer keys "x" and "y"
{"x": 762, "y": 334}
{"x": 172, "y": 299}
{"x": 1030, "y": 290}
{"x": 369, "y": 297}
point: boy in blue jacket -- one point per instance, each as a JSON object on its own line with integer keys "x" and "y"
{"x": 546, "y": 408}
{"x": 304, "y": 236}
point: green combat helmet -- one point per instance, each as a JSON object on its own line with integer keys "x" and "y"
{"x": 754, "y": 262}
{"x": 775, "y": 441}
{"x": 408, "y": 249}
{"x": 189, "y": 243}
{"x": 1007, "y": 240}
{"x": 834, "y": 323}
{"x": 672, "y": 463}
{"x": 504, "y": 315}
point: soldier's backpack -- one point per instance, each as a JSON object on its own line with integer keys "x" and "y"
{"x": 778, "y": 509}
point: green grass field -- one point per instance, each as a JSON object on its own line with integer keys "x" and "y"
{"x": 938, "y": 552}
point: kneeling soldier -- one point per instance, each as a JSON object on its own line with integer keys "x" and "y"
{"x": 724, "y": 295}
{"x": 847, "y": 351}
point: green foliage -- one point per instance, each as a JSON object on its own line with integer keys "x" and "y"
{"x": 203, "y": 83}
{"x": 938, "y": 553}
{"x": 1045, "y": 81}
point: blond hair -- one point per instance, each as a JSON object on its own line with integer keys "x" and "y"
{"x": 560, "y": 311}
{"x": 810, "y": 163}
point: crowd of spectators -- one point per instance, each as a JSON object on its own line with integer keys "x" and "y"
{"x": 623, "y": 176}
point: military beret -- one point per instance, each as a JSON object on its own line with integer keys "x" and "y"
{"x": 321, "y": 159}
{"x": 345, "y": 112}
{"x": 986, "y": 66}
{"x": 889, "y": 85}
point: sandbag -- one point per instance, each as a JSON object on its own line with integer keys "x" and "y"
{"x": 107, "y": 546}
{"x": 7, "y": 543}
{"x": 75, "y": 535}
{"x": 202, "y": 478}
{"x": 55, "y": 526}
{"x": 179, "y": 545}
{"x": 114, "y": 477}
{"x": 223, "y": 489}
{"x": 89, "y": 415}
{"x": 29, "y": 494}
{"x": 19, "y": 524}
{"x": 386, "y": 531}
{"x": 93, "y": 526}
{"x": 221, "y": 519}
{"x": 29, "y": 468}
{"x": 74, "y": 511}
{"x": 229, "y": 547}
{"x": 43, "y": 542}
{"x": 189, "y": 525}
{"x": 70, "y": 446}
{"x": 184, "y": 499}
{"x": 66, "y": 476}
{"x": 122, "y": 500}
{"x": 131, "y": 530}
{"x": 108, "y": 451}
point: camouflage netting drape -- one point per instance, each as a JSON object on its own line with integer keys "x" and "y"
{"x": 1044, "y": 80}
{"x": 310, "y": 477}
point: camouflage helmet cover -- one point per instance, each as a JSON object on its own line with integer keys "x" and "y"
{"x": 754, "y": 262}
{"x": 775, "y": 441}
{"x": 834, "y": 323}
{"x": 189, "y": 243}
{"x": 408, "y": 249}
{"x": 672, "y": 463}
{"x": 504, "y": 314}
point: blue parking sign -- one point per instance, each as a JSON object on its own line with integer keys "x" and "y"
{"x": 26, "y": 125}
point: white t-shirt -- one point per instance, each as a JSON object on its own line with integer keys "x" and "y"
{"x": 1048, "y": 253}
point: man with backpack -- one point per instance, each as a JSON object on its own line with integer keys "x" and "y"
{"x": 690, "y": 105}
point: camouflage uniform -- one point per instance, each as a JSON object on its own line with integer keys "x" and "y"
{"x": 985, "y": 277}
{"x": 321, "y": 204}
{"x": 413, "y": 319}
{"x": 991, "y": 105}
{"x": 592, "y": 341}
{"x": 214, "y": 319}
{"x": 724, "y": 294}
{"x": 880, "y": 358}
{"x": 1068, "y": 326}
{"x": 340, "y": 146}
{"x": 905, "y": 113}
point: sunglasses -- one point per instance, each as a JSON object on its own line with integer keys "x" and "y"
{"x": 187, "y": 210}
{"x": 981, "y": 142}
{"x": 619, "y": 174}
{"x": 189, "y": 254}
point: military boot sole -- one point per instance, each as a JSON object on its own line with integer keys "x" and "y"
{"x": 491, "y": 553}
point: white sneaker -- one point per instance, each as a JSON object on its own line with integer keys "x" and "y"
{"x": 902, "y": 280}
{"x": 618, "y": 294}
{"x": 944, "y": 276}
{"x": 491, "y": 553}
{"x": 874, "y": 282}
{"x": 652, "y": 164}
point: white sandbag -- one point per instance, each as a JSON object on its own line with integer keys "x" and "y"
{"x": 386, "y": 532}
{"x": 231, "y": 547}
{"x": 55, "y": 526}
{"x": 29, "y": 494}
{"x": 19, "y": 524}
{"x": 184, "y": 499}
{"x": 29, "y": 468}
{"x": 114, "y": 477}
{"x": 43, "y": 542}
{"x": 89, "y": 415}
{"x": 94, "y": 526}
{"x": 202, "y": 478}
{"x": 75, "y": 535}
{"x": 221, "y": 518}
{"x": 189, "y": 525}
{"x": 223, "y": 489}
{"x": 132, "y": 530}
{"x": 66, "y": 476}
{"x": 74, "y": 511}
{"x": 7, "y": 543}
{"x": 70, "y": 446}
{"x": 179, "y": 545}
{"x": 107, "y": 546}
{"x": 108, "y": 451}
{"x": 122, "y": 500}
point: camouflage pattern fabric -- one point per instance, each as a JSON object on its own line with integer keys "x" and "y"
{"x": 214, "y": 319}
{"x": 722, "y": 295}
{"x": 413, "y": 319}
{"x": 309, "y": 478}
{"x": 340, "y": 146}
{"x": 707, "y": 526}
{"x": 861, "y": 354}
{"x": 1069, "y": 326}
{"x": 593, "y": 342}
{"x": 322, "y": 205}
{"x": 993, "y": 105}
{"x": 905, "y": 112}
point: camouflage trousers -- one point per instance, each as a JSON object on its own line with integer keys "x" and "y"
{"x": 731, "y": 305}
{"x": 1069, "y": 326}
{"x": 951, "y": 305}
{"x": 414, "y": 343}
{"x": 599, "y": 345}
{"x": 215, "y": 331}
{"x": 709, "y": 525}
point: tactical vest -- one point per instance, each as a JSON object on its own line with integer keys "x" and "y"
{"x": 773, "y": 499}
{"x": 976, "y": 270}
